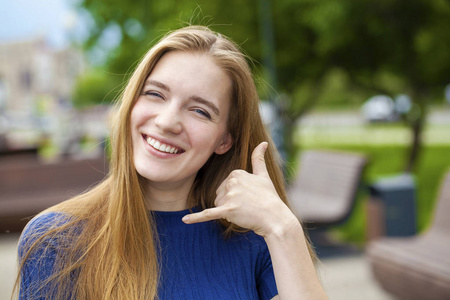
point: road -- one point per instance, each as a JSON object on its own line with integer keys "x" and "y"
{"x": 355, "y": 118}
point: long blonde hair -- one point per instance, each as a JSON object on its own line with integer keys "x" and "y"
{"x": 106, "y": 236}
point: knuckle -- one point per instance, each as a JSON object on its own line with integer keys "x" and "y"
{"x": 236, "y": 173}
{"x": 242, "y": 172}
{"x": 234, "y": 195}
{"x": 231, "y": 194}
{"x": 232, "y": 182}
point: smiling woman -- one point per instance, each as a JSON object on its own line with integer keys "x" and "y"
{"x": 194, "y": 206}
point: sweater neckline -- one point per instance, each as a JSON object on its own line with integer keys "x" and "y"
{"x": 175, "y": 213}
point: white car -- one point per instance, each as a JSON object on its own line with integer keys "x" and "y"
{"x": 380, "y": 108}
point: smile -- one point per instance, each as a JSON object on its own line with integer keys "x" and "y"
{"x": 161, "y": 146}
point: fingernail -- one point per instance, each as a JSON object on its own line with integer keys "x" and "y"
{"x": 185, "y": 219}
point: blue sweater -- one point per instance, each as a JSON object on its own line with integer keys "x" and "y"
{"x": 197, "y": 262}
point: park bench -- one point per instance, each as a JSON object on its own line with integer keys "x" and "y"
{"x": 28, "y": 186}
{"x": 324, "y": 190}
{"x": 417, "y": 267}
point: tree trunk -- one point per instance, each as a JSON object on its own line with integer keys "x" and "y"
{"x": 417, "y": 122}
{"x": 416, "y": 145}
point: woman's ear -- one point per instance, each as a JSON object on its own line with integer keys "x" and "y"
{"x": 225, "y": 145}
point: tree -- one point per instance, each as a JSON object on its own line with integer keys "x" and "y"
{"x": 387, "y": 47}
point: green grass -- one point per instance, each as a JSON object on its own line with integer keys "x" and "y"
{"x": 385, "y": 160}
{"x": 369, "y": 134}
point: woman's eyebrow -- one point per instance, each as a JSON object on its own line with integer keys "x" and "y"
{"x": 211, "y": 105}
{"x": 157, "y": 84}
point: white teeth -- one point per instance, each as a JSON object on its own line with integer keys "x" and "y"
{"x": 161, "y": 147}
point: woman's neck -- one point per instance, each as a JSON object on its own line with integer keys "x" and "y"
{"x": 168, "y": 196}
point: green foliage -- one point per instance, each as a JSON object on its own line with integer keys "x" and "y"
{"x": 144, "y": 22}
{"x": 95, "y": 87}
{"x": 339, "y": 92}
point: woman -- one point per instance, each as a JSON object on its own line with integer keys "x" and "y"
{"x": 188, "y": 148}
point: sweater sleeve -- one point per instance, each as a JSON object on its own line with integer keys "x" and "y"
{"x": 38, "y": 266}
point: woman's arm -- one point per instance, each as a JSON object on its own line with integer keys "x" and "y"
{"x": 251, "y": 201}
{"x": 294, "y": 269}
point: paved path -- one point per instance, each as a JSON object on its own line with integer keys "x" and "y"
{"x": 8, "y": 257}
{"x": 344, "y": 278}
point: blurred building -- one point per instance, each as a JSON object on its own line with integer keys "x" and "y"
{"x": 36, "y": 83}
{"x": 30, "y": 69}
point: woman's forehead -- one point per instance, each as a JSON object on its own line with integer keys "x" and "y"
{"x": 191, "y": 71}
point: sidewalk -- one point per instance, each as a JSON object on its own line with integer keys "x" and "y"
{"x": 8, "y": 265}
{"x": 350, "y": 278}
{"x": 344, "y": 278}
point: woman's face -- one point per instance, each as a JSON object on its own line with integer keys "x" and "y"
{"x": 180, "y": 118}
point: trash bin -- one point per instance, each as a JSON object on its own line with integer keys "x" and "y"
{"x": 392, "y": 207}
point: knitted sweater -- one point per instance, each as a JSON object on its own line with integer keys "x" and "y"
{"x": 196, "y": 261}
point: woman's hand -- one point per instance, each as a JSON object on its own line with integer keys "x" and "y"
{"x": 249, "y": 201}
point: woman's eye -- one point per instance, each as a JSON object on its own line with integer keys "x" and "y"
{"x": 202, "y": 112}
{"x": 153, "y": 94}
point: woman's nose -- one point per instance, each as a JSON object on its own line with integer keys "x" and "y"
{"x": 169, "y": 119}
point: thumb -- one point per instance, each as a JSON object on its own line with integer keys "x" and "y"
{"x": 258, "y": 162}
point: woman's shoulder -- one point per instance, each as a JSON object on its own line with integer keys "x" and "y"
{"x": 40, "y": 227}
{"x": 45, "y": 221}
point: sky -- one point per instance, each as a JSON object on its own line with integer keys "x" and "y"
{"x": 57, "y": 20}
